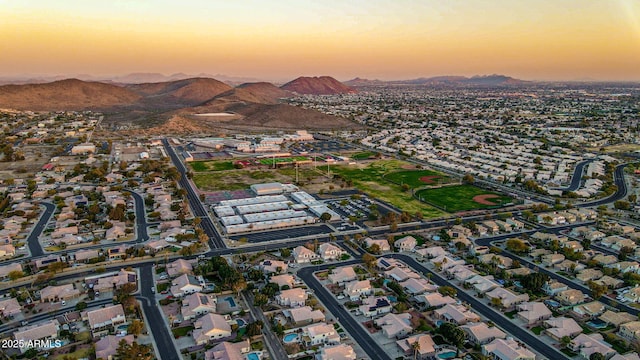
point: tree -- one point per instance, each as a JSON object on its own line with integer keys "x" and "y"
{"x": 625, "y": 251}
{"x": 416, "y": 348}
{"x": 325, "y": 217}
{"x": 56, "y": 266}
{"x": 133, "y": 351}
{"x": 254, "y": 328}
{"x": 468, "y": 178}
{"x": 622, "y": 205}
{"x": 375, "y": 249}
{"x": 597, "y": 290}
{"x": 15, "y": 275}
{"x": 597, "y": 356}
{"x": 517, "y": 246}
{"x": 81, "y": 306}
{"x": 448, "y": 291}
{"x": 452, "y": 333}
{"x": 534, "y": 282}
{"x": 135, "y": 328}
{"x": 369, "y": 260}
{"x": 497, "y": 302}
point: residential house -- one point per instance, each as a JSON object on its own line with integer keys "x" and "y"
{"x": 273, "y": 266}
{"x": 559, "y": 327}
{"x": 626, "y": 266}
{"x": 104, "y": 318}
{"x": 628, "y": 356}
{"x": 552, "y": 287}
{"x": 5, "y": 270}
{"x": 610, "y": 282}
{"x": 617, "y": 318}
{"x": 374, "y": 306}
{"x": 552, "y": 259}
{"x": 7, "y": 251}
{"x": 336, "y": 352}
{"x": 179, "y": 267}
{"x": 508, "y": 299}
{"x": 302, "y": 254}
{"x": 416, "y": 286}
{"x": 632, "y": 295}
{"x": 401, "y": 274}
{"x": 395, "y": 325}
{"x": 383, "y": 244}
{"x": 587, "y": 344}
{"x": 58, "y": 293}
{"x": 9, "y": 307}
{"x": 432, "y": 252}
{"x": 84, "y": 256}
{"x": 482, "y": 284}
{"x": 605, "y": 259}
{"x": 589, "y": 310}
{"x": 533, "y": 312}
{"x": 480, "y": 333}
{"x": 461, "y": 272}
{"x": 210, "y": 327}
{"x": 570, "y": 297}
{"x": 197, "y": 304}
{"x": 329, "y": 251}
{"x": 425, "y": 348}
{"x": 107, "y": 347}
{"x": 117, "y": 252}
{"x": 407, "y": 243}
{"x": 507, "y": 349}
{"x": 304, "y": 315}
{"x": 569, "y": 266}
{"x": 491, "y": 226}
{"x": 320, "y": 333}
{"x": 589, "y": 274}
{"x": 117, "y": 231}
{"x": 228, "y": 351}
{"x": 43, "y": 331}
{"x": 630, "y": 331}
{"x": 44, "y": 262}
{"x": 435, "y": 300}
{"x": 185, "y": 284}
{"x": 502, "y": 262}
{"x": 112, "y": 281}
{"x": 292, "y": 297}
{"x": 283, "y": 280}
{"x": 456, "y": 314}
{"x": 342, "y": 275}
{"x": 356, "y": 289}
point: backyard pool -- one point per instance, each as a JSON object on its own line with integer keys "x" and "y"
{"x": 392, "y": 298}
{"x": 230, "y": 300}
{"x": 122, "y": 327}
{"x": 290, "y": 338}
{"x": 254, "y": 355}
{"x": 241, "y": 322}
{"x": 597, "y": 324}
{"x": 439, "y": 322}
{"x": 447, "y": 355}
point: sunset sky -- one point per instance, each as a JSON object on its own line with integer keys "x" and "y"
{"x": 279, "y": 40}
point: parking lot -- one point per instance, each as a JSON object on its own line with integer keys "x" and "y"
{"x": 358, "y": 208}
{"x": 328, "y": 146}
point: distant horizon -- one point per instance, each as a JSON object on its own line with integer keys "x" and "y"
{"x": 239, "y": 78}
{"x": 538, "y": 40}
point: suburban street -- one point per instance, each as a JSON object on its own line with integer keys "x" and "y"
{"x": 35, "y": 248}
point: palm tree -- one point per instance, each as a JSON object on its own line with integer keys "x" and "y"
{"x": 416, "y": 347}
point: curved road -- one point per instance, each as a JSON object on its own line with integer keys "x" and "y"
{"x": 35, "y": 248}
{"x": 621, "y": 193}
{"x": 576, "y": 180}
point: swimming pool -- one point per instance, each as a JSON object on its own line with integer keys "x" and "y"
{"x": 439, "y": 322}
{"x": 253, "y": 356}
{"x": 123, "y": 327}
{"x": 447, "y": 355}
{"x": 230, "y": 300}
{"x": 392, "y": 298}
{"x": 241, "y": 322}
{"x": 289, "y": 338}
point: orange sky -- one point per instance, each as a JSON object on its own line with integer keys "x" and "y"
{"x": 280, "y": 40}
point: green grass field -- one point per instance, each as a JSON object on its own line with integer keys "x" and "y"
{"x": 363, "y": 155}
{"x": 370, "y": 180}
{"x": 459, "y": 197}
{"x": 413, "y": 178}
{"x": 200, "y": 166}
{"x": 280, "y": 160}
{"x": 232, "y": 180}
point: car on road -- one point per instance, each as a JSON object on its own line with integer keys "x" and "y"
{"x": 153, "y": 289}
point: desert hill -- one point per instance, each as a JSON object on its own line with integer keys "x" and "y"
{"x": 323, "y": 85}
{"x": 70, "y": 94}
{"x": 260, "y": 92}
{"x": 478, "y": 80}
{"x": 180, "y": 93}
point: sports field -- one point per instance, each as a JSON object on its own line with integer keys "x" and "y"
{"x": 280, "y": 160}
{"x": 370, "y": 179}
{"x": 417, "y": 178}
{"x": 363, "y": 155}
{"x": 462, "y": 197}
{"x": 211, "y": 165}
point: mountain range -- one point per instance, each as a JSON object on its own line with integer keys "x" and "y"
{"x": 257, "y": 104}
{"x": 479, "y": 80}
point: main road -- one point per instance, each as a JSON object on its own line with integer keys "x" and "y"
{"x": 194, "y": 199}
{"x": 514, "y": 329}
{"x": 155, "y": 319}
{"x": 351, "y": 325}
